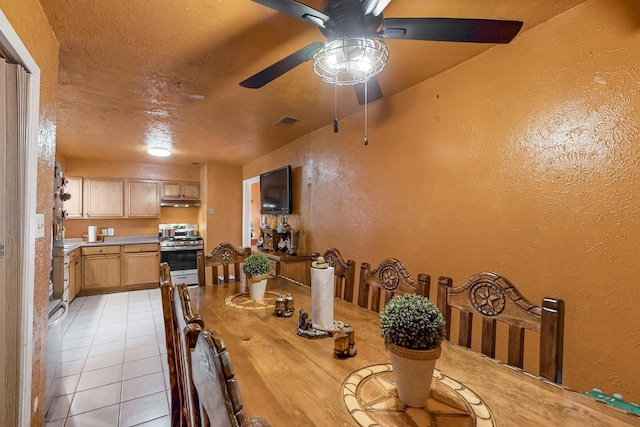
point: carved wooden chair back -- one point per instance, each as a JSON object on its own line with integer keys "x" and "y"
{"x": 389, "y": 278}
{"x": 344, "y": 274}
{"x": 220, "y": 402}
{"x": 165, "y": 274}
{"x": 182, "y": 326}
{"x": 494, "y": 298}
{"x": 222, "y": 256}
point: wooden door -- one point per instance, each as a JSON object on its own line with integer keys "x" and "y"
{"x": 171, "y": 190}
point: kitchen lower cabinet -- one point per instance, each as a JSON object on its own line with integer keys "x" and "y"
{"x": 100, "y": 269}
{"x": 140, "y": 265}
{"x": 119, "y": 268}
{"x": 75, "y": 273}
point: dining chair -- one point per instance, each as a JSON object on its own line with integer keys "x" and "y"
{"x": 223, "y": 255}
{"x": 377, "y": 286}
{"x": 181, "y": 329}
{"x": 165, "y": 273}
{"x": 344, "y": 274}
{"x": 220, "y": 401}
{"x": 495, "y": 299}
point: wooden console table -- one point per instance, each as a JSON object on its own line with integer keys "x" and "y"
{"x": 293, "y": 267}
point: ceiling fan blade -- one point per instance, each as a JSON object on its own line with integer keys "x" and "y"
{"x": 296, "y": 10}
{"x": 373, "y": 91}
{"x": 279, "y": 68}
{"x": 451, "y": 29}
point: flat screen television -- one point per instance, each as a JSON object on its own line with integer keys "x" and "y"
{"x": 275, "y": 191}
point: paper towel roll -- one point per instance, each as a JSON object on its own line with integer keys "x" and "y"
{"x": 322, "y": 297}
{"x": 93, "y": 233}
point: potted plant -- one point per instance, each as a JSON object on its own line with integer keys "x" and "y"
{"x": 413, "y": 329}
{"x": 256, "y": 267}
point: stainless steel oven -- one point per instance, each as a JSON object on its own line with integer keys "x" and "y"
{"x": 179, "y": 248}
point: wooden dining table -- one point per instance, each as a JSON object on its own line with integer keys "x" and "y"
{"x": 294, "y": 380}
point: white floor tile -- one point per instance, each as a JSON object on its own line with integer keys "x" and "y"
{"x": 103, "y": 417}
{"x": 115, "y": 370}
{"x": 95, "y": 398}
{"x": 158, "y": 422}
{"x": 103, "y": 361}
{"x": 143, "y": 409}
{"x": 59, "y": 408}
{"x": 106, "y": 348}
{"x": 142, "y": 386}
{"x": 100, "y": 377}
{"x": 141, "y": 367}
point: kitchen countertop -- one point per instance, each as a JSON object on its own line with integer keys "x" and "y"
{"x": 70, "y": 244}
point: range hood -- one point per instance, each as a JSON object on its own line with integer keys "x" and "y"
{"x": 181, "y": 203}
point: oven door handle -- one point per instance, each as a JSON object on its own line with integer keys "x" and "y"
{"x": 183, "y": 248}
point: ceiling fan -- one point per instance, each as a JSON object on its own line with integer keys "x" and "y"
{"x": 355, "y": 53}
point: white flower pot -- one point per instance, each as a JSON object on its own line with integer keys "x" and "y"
{"x": 413, "y": 372}
{"x": 257, "y": 287}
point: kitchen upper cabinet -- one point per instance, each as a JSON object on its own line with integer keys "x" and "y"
{"x": 73, "y": 206}
{"x": 180, "y": 190}
{"x": 104, "y": 198}
{"x": 143, "y": 198}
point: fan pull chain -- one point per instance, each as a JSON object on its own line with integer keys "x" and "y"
{"x": 335, "y": 108}
{"x": 366, "y": 110}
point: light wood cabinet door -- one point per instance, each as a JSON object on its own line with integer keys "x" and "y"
{"x": 143, "y": 199}
{"x": 73, "y": 206}
{"x": 75, "y": 274}
{"x": 180, "y": 190}
{"x": 140, "y": 268}
{"x": 100, "y": 271}
{"x": 191, "y": 190}
{"x": 171, "y": 190}
{"x": 104, "y": 198}
{"x": 101, "y": 267}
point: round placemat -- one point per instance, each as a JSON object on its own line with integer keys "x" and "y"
{"x": 243, "y": 301}
{"x": 371, "y": 398}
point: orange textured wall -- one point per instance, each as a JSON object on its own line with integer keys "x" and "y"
{"x": 139, "y": 226}
{"x": 523, "y": 160}
{"x": 28, "y": 20}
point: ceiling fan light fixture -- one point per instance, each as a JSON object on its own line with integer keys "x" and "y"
{"x": 350, "y": 60}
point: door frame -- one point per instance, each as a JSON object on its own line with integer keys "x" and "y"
{"x": 246, "y": 210}
{"x": 26, "y": 245}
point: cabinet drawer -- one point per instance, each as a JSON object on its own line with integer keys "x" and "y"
{"x": 147, "y": 247}
{"x": 101, "y": 250}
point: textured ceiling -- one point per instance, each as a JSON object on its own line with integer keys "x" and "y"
{"x": 127, "y": 70}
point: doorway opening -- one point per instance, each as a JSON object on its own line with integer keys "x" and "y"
{"x": 250, "y": 211}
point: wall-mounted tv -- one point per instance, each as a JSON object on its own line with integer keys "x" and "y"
{"x": 275, "y": 191}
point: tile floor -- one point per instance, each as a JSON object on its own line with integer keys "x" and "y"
{"x": 114, "y": 370}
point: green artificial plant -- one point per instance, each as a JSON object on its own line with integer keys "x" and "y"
{"x": 256, "y": 265}
{"x": 412, "y": 321}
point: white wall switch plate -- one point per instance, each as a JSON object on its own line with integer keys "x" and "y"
{"x": 39, "y": 225}
{"x": 212, "y": 211}
{"x": 105, "y": 231}
{"x": 110, "y": 231}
